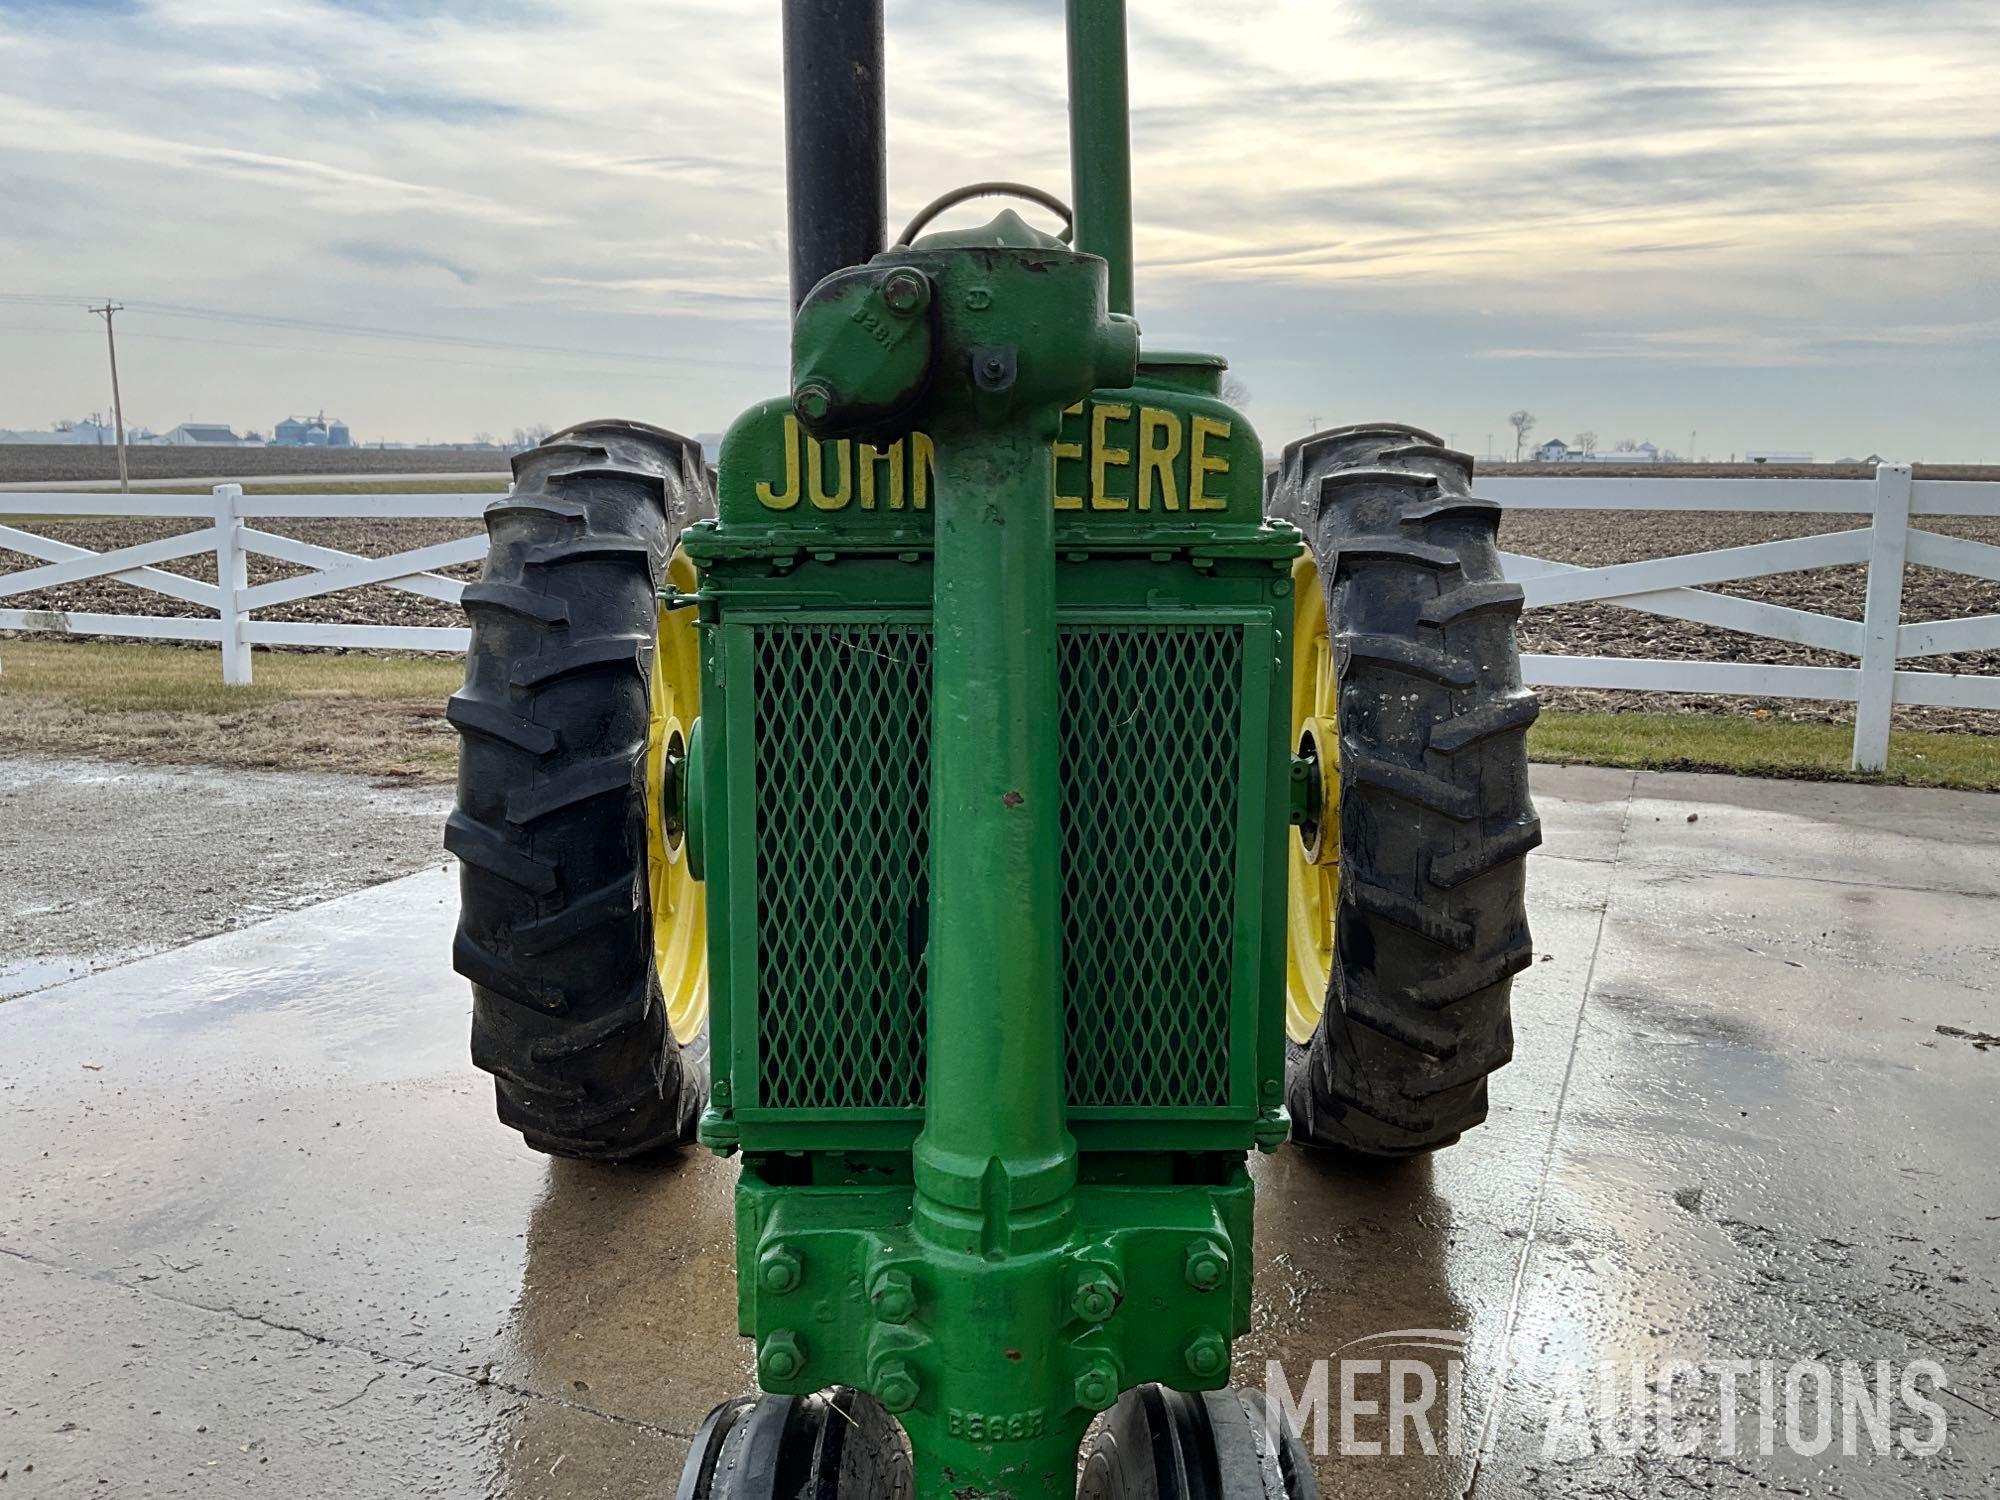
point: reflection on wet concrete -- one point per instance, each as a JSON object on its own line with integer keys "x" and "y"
{"x": 271, "y": 1241}
{"x": 627, "y": 1309}
{"x": 1366, "y": 1262}
{"x": 1769, "y": 1153}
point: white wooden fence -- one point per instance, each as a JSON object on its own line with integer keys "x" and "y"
{"x": 1670, "y": 586}
{"x": 232, "y": 537}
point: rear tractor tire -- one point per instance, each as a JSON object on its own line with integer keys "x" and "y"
{"x": 1407, "y": 911}
{"x": 576, "y": 689}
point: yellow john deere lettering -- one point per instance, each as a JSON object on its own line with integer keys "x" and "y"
{"x": 1126, "y": 458}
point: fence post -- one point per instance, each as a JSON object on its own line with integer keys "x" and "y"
{"x": 232, "y": 576}
{"x": 1889, "y": 540}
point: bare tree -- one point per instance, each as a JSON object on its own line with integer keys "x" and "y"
{"x": 1235, "y": 392}
{"x": 1523, "y": 423}
{"x": 1587, "y": 441}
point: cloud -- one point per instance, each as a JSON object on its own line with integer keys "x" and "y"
{"x": 1619, "y": 195}
{"x": 401, "y": 258}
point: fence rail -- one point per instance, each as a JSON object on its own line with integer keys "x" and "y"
{"x": 1672, "y": 587}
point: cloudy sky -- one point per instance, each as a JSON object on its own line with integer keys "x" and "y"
{"x": 1771, "y": 223}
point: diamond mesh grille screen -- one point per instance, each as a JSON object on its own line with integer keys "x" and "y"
{"x": 1150, "y": 745}
{"x": 842, "y": 755}
{"x": 1150, "y": 738}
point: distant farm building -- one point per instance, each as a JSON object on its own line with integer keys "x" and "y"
{"x": 86, "y": 434}
{"x": 1556, "y": 451}
{"x": 62, "y": 436}
{"x": 312, "y": 432}
{"x": 202, "y": 435}
{"x": 1778, "y": 458}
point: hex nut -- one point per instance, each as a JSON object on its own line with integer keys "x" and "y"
{"x": 895, "y": 1386}
{"x": 779, "y": 1268}
{"x": 1096, "y": 1386}
{"x": 813, "y": 400}
{"x": 1207, "y": 1264}
{"x": 780, "y": 1356}
{"x": 1206, "y": 1353}
{"x": 905, "y": 292}
{"x": 1096, "y": 1297}
{"x": 894, "y": 1296}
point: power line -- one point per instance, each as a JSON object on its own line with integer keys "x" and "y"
{"x": 401, "y": 335}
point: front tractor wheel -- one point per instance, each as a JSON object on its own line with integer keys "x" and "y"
{"x": 1406, "y": 915}
{"x": 835, "y": 1445}
{"x": 1161, "y": 1444}
{"x": 580, "y": 924}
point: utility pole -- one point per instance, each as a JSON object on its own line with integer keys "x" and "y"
{"x": 117, "y": 405}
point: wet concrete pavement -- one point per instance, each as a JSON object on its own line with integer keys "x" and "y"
{"x": 102, "y": 862}
{"x": 262, "y": 1236}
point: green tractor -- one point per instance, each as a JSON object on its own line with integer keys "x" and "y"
{"x": 989, "y": 807}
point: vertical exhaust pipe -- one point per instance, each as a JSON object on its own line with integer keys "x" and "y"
{"x": 836, "y": 154}
{"x": 1100, "y": 139}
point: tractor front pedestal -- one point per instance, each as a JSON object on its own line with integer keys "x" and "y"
{"x": 995, "y": 1356}
{"x": 992, "y": 1348}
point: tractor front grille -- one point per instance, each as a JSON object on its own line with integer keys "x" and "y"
{"x": 1150, "y": 755}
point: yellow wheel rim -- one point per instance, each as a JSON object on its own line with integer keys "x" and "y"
{"x": 1313, "y": 884}
{"x": 680, "y": 939}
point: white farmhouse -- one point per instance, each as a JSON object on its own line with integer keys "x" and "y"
{"x": 202, "y": 435}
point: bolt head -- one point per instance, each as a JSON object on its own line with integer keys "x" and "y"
{"x": 894, "y": 1296}
{"x": 1206, "y": 1265}
{"x": 779, "y": 1268}
{"x": 1206, "y": 1353}
{"x": 813, "y": 401}
{"x": 1096, "y": 1387}
{"x": 1096, "y": 1297}
{"x": 905, "y": 292}
{"x": 896, "y": 1386}
{"x": 780, "y": 1356}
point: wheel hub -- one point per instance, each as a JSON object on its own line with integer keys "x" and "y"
{"x": 677, "y": 898}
